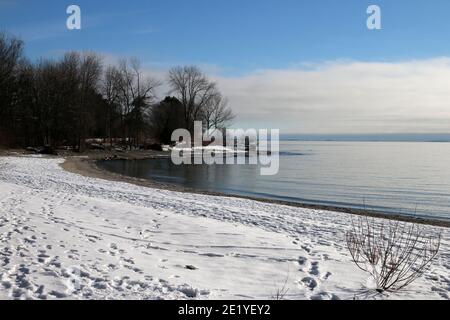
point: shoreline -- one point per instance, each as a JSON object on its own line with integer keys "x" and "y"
{"x": 86, "y": 165}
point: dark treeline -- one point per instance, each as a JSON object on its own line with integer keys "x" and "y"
{"x": 69, "y": 101}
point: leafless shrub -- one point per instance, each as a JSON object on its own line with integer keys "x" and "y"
{"x": 281, "y": 292}
{"x": 394, "y": 253}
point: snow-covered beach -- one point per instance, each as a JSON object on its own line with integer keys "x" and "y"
{"x": 66, "y": 236}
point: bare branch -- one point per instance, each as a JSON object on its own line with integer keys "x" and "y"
{"x": 395, "y": 254}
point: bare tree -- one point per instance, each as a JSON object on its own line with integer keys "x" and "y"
{"x": 90, "y": 70}
{"x": 136, "y": 94}
{"x": 194, "y": 90}
{"x": 217, "y": 114}
{"x": 110, "y": 90}
{"x": 394, "y": 253}
{"x": 10, "y": 54}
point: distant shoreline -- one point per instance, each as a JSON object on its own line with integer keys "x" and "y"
{"x": 87, "y": 166}
{"x": 405, "y": 137}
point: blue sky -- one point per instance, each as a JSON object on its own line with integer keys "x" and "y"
{"x": 302, "y": 66}
{"x": 234, "y": 35}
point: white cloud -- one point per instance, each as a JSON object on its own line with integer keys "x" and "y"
{"x": 345, "y": 97}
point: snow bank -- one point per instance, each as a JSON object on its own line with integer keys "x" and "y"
{"x": 64, "y": 236}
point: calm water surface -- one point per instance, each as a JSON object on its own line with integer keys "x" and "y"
{"x": 395, "y": 177}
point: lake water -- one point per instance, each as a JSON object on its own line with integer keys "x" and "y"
{"x": 394, "y": 177}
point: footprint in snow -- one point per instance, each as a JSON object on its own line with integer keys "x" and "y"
{"x": 314, "y": 269}
{"x": 309, "y": 282}
{"x": 302, "y": 260}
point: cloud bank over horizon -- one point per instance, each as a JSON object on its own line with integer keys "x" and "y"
{"x": 345, "y": 97}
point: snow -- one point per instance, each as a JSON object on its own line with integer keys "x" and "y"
{"x": 199, "y": 150}
{"x": 64, "y": 236}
